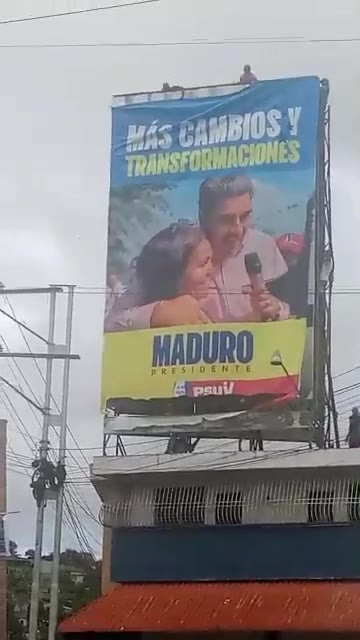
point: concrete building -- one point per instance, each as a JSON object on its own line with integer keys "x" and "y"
{"x": 227, "y": 542}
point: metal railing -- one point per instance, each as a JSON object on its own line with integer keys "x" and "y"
{"x": 314, "y": 501}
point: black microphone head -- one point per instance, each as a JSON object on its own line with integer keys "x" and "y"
{"x": 252, "y": 264}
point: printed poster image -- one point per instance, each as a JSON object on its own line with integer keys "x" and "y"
{"x": 211, "y": 223}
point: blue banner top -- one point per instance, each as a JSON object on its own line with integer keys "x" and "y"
{"x": 271, "y": 125}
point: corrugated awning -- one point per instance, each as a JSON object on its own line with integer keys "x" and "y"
{"x": 195, "y": 607}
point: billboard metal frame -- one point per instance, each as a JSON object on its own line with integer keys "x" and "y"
{"x": 321, "y": 428}
{"x": 330, "y": 417}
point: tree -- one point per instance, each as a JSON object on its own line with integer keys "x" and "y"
{"x": 136, "y": 213}
{"x": 73, "y": 593}
{"x": 18, "y": 596}
{"x": 77, "y": 559}
{"x": 16, "y": 631}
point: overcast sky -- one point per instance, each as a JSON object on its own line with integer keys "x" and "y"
{"x": 55, "y": 149}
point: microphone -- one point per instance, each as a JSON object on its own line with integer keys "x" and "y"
{"x": 253, "y": 268}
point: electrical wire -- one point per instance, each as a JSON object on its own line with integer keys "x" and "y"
{"x": 78, "y": 527}
{"x": 20, "y": 468}
{"x": 63, "y": 14}
{"x": 182, "y": 43}
{"x": 18, "y": 368}
{"x": 23, "y": 430}
{"x": 343, "y": 390}
{"x": 20, "y": 473}
{"x": 18, "y": 463}
{"x": 86, "y": 290}
{"x": 13, "y": 456}
{"x": 21, "y": 388}
{"x": 345, "y": 407}
{"x": 130, "y": 444}
{"x": 72, "y": 523}
{"x": 70, "y": 527}
{"x": 87, "y": 513}
{"x": 102, "y": 291}
{"x": 216, "y": 448}
{"x": 22, "y": 332}
{"x": 80, "y": 500}
{"x": 344, "y": 373}
{"x": 271, "y": 455}
{"x": 81, "y": 526}
{"x": 245, "y": 462}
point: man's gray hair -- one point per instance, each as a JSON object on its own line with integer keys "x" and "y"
{"x": 214, "y": 191}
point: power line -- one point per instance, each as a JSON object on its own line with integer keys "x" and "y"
{"x": 19, "y": 464}
{"x": 129, "y": 444}
{"x": 20, "y": 473}
{"x": 345, "y": 401}
{"x": 63, "y": 14}
{"x": 18, "y": 467}
{"x": 88, "y": 513}
{"x": 87, "y": 532}
{"x": 28, "y": 386}
{"x": 73, "y": 525}
{"x": 21, "y": 329}
{"x": 16, "y": 462}
{"x": 18, "y": 421}
{"x": 216, "y": 449}
{"x": 86, "y": 290}
{"x": 71, "y": 519}
{"x": 69, "y": 524}
{"x": 15, "y": 457}
{"x": 23, "y": 461}
{"x": 184, "y": 43}
{"x": 102, "y": 291}
{"x": 79, "y": 527}
{"x": 350, "y": 387}
{"x": 343, "y": 373}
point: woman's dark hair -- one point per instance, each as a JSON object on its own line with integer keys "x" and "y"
{"x": 214, "y": 191}
{"x": 162, "y": 261}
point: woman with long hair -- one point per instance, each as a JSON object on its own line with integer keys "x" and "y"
{"x": 175, "y": 266}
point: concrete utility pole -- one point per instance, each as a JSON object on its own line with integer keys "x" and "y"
{"x": 52, "y": 486}
{"x": 54, "y": 594}
{"x": 43, "y": 454}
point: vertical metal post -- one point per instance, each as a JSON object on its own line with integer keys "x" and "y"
{"x": 44, "y": 446}
{"x": 319, "y": 316}
{"x": 54, "y": 594}
{"x": 332, "y": 407}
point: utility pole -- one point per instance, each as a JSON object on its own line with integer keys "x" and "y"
{"x": 52, "y": 486}
{"x": 43, "y": 453}
{"x": 54, "y": 593}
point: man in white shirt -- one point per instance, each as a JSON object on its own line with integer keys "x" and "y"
{"x": 225, "y": 208}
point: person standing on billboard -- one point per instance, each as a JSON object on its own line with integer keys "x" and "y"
{"x": 353, "y": 436}
{"x": 238, "y": 294}
{"x": 248, "y": 77}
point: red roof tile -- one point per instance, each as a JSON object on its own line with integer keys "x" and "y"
{"x": 283, "y": 606}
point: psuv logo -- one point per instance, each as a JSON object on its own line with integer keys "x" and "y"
{"x": 210, "y": 347}
{"x": 225, "y": 388}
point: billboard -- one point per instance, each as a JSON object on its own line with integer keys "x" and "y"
{"x": 210, "y": 269}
